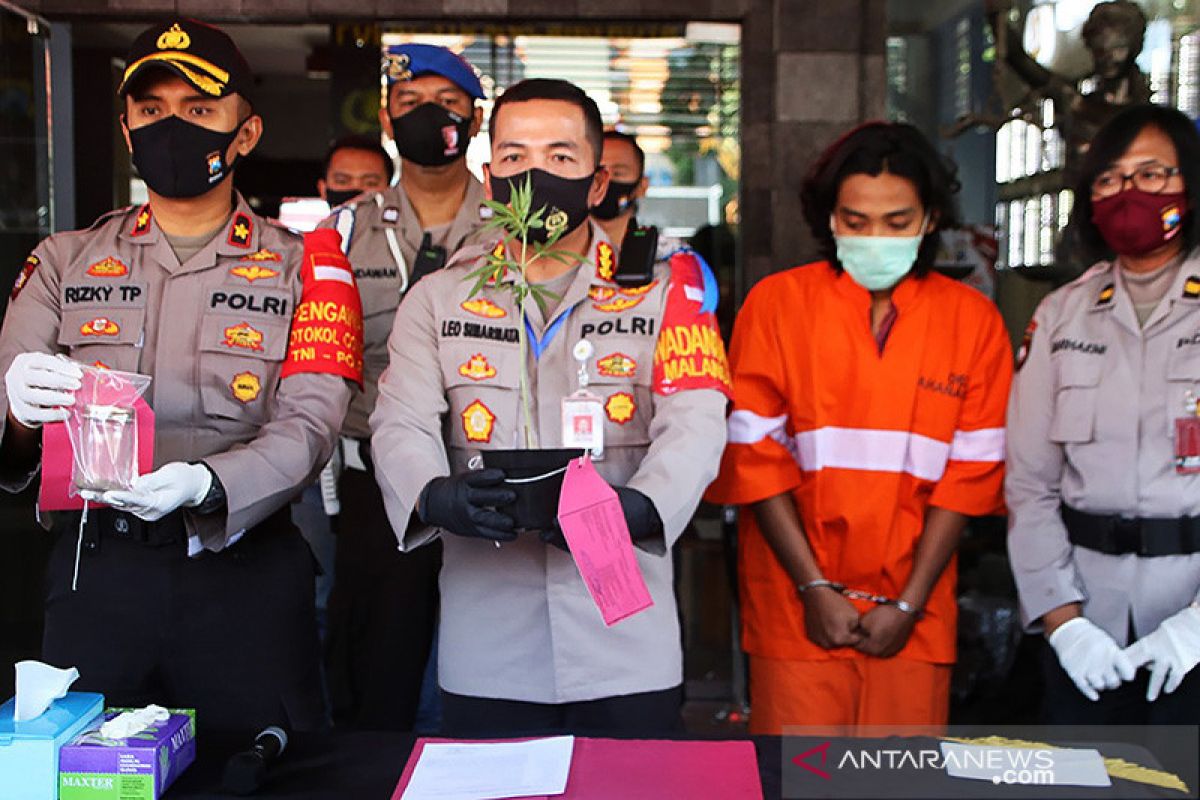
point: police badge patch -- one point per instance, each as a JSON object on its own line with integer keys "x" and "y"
{"x": 1026, "y": 343}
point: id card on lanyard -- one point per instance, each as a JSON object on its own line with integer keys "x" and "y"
{"x": 582, "y": 411}
{"x": 1187, "y": 438}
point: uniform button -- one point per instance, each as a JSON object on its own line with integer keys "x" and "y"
{"x": 122, "y": 525}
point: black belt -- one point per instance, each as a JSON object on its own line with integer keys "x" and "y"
{"x": 104, "y": 523}
{"x": 1146, "y": 536}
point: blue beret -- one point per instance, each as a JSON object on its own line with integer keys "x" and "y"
{"x": 403, "y": 62}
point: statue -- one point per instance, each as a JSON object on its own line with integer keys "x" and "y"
{"x": 1113, "y": 34}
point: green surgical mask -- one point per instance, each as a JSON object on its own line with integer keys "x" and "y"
{"x": 878, "y": 262}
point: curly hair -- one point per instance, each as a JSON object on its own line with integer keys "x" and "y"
{"x": 872, "y": 148}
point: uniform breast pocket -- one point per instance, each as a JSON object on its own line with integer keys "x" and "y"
{"x": 482, "y": 381}
{"x": 240, "y": 359}
{"x": 110, "y": 338}
{"x": 1183, "y": 376}
{"x": 620, "y": 376}
{"x": 1075, "y": 396}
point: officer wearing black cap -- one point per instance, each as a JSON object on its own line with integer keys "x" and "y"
{"x": 192, "y": 588}
{"x": 383, "y": 608}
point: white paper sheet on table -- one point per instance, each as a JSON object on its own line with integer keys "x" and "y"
{"x": 481, "y": 771}
{"x": 1052, "y": 766}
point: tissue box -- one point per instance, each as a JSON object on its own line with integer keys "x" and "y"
{"x": 29, "y": 750}
{"x": 141, "y": 767}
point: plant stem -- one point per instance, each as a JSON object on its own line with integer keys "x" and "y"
{"x": 523, "y": 343}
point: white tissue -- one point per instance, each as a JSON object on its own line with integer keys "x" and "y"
{"x": 131, "y": 723}
{"x": 39, "y": 685}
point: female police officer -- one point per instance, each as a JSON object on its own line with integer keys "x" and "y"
{"x": 1102, "y": 483}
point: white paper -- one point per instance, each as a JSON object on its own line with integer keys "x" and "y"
{"x": 1019, "y": 766}
{"x": 38, "y": 685}
{"x": 483, "y": 771}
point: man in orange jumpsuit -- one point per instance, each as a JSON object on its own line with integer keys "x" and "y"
{"x": 868, "y": 424}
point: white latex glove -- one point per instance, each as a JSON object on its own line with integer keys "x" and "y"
{"x": 1173, "y": 648}
{"x": 41, "y": 388}
{"x": 1090, "y": 657}
{"x": 158, "y": 493}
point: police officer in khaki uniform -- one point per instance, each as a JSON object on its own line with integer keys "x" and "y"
{"x": 625, "y": 162}
{"x": 191, "y": 589}
{"x": 522, "y": 645}
{"x": 383, "y": 608}
{"x": 1103, "y": 471}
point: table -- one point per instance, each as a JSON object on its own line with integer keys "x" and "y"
{"x": 357, "y": 765}
{"x": 363, "y": 765}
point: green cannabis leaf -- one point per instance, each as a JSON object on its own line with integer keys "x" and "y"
{"x": 516, "y": 220}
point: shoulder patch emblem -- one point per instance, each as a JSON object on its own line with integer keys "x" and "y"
{"x": 244, "y": 336}
{"x": 638, "y": 291}
{"x": 477, "y": 368}
{"x": 1106, "y": 295}
{"x": 240, "y": 230}
{"x": 253, "y": 272}
{"x": 264, "y": 255}
{"x": 246, "y": 387}
{"x": 23, "y": 276}
{"x": 618, "y": 303}
{"x": 478, "y": 422}
{"x": 620, "y": 407}
{"x": 1191, "y": 287}
{"x": 617, "y": 365}
{"x": 1026, "y": 343}
{"x": 141, "y": 223}
{"x": 606, "y": 264}
{"x": 108, "y": 268}
{"x": 100, "y": 326}
{"x": 482, "y": 307}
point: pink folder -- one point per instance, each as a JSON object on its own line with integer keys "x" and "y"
{"x": 646, "y": 769}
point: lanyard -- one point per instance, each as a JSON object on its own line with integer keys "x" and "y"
{"x": 540, "y": 345}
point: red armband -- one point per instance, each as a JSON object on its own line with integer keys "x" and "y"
{"x": 327, "y": 328}
{"x": 690, "y": 353}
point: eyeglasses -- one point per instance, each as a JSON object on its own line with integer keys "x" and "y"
{"x": 1151, "y": 179}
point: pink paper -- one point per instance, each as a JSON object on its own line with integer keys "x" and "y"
{"x": 594, "y": 527}
{"x": 57, "y": 493}
{"x": 646, "y": 769}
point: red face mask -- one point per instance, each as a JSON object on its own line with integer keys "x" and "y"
{"x": 1134, "y": 222}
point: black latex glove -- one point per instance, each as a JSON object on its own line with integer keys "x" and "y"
{"x": 460, "y": 504}
{"x": 640, "y": 514}
{"x": 641, "y": 517}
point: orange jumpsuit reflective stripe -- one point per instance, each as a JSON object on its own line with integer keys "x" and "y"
{"x": 865, "y": 441}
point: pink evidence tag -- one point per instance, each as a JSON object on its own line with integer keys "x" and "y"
{"x": 594, "y": 527}
{"x": 57, "y": 492}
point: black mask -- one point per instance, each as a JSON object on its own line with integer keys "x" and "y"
{"x": 431, "y": 135}
{"x": 180, "y": 159}
{"x": 565, "y": 200}
{"x": 616, "y": 200}
{"x": 339, "y": 197}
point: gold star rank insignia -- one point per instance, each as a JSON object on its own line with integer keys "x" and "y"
{"x": 240, "y": 230}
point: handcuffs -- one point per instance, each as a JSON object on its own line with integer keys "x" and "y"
{"x": 859, "y": 594}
